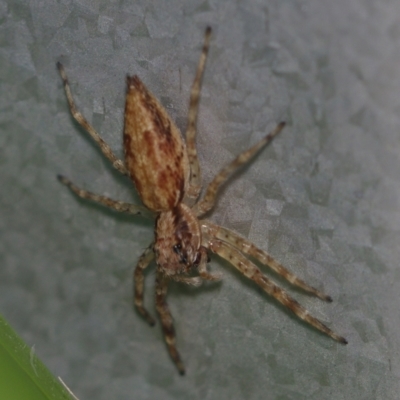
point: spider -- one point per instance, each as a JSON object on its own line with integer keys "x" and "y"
{"x": 165, "y": 171}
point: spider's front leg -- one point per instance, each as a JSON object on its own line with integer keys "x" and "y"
{"x": 138, "y": 283}
{"x": 166, "y": 320}
{"x": 250, "y": 271}
{"x": 202, "y": 268}
{"x": 249, "y": 249}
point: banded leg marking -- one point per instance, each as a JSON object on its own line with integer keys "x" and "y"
{"x": 248, "y": 248}
{"x": 166, "y": 321}
{"x": 138, "y": 283}
{"x": 195, "y": 173}
{"x": 104, "y": 147}
{"x": 119, "y": 206}
{"x": 248, "y": 269}
{"x": 208, "y": 201}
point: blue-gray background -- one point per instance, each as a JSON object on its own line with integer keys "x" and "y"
{"x": 324, "y": 198}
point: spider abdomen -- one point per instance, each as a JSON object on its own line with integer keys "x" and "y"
{"x": 155, "y": 154}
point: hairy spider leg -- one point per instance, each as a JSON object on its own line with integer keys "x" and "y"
{"x": 250, "y": 271}
{"x": 209, "y": 199}
{"x": 248, "y": 248}
{"x": 115, "y": 205}
{"x": 195, "y": 173}
{"x": 104, "y": 147}
{"x": 138, "y": 283}
{"x": 166, "y": 320}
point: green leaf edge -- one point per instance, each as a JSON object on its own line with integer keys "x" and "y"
{"x": 22, "y": 373}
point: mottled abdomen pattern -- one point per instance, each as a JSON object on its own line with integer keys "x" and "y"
{"x": 155, "y": 154}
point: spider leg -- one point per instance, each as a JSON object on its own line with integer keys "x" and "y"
{"x": 104, "y": 147}
{"x": 195, "y": 173}
{"x": 248, "y": 269}
{"x": 119, "y": 206}
{"x": 203, "y": 272}
{"x": 188, "y": 280}
{"x": 248, "y": 248}
{"x": 208, "y": 201}
{"x": 166, "y": 320}
{"x": 138, "y": 283}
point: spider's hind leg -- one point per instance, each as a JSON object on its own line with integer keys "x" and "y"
{"x": 194, "y": 188}
{"x": 210, "y": 197}
{"x": 115, "y": 205}
{"x": 81, "y": 120}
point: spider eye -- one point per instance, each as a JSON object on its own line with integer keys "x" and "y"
{"x": 177, "y": 248}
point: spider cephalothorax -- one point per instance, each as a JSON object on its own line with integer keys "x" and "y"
{"x": 166, "y": 174}
{"x": 178, "y": 241}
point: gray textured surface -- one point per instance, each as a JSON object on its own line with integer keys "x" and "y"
{"x": 324, "y": 198}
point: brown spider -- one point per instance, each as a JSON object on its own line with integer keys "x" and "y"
{"x": 166, "y": 174}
